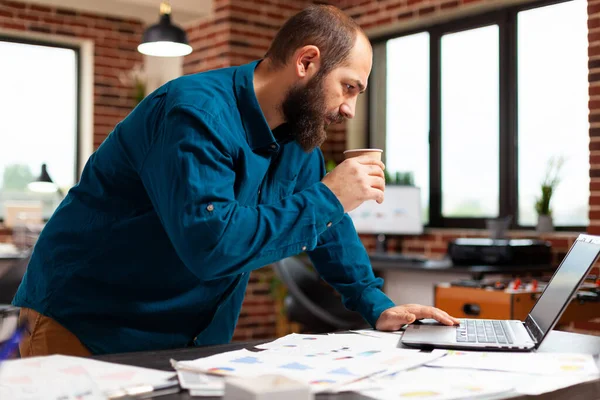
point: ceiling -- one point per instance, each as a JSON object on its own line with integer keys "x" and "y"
{"x": 184, "y": 11}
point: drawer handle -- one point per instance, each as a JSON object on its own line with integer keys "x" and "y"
{"x": 471, "y": 309}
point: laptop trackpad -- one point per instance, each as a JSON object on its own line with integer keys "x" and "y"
{"x": 430, "y": 334}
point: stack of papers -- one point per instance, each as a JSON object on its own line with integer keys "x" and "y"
{"x": 325, "y": 362}
{"x": 66, "y": 378}
{"x": 201, "y": 384}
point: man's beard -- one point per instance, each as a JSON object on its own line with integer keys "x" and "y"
{"x": 304, "y": 110}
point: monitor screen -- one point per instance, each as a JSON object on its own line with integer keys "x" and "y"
{"x": 564, "y": 283}
{"x": 400, "y": 213}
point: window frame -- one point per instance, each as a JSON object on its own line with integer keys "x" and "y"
{"x": 78, "y": 87}
{"x": 506, "y": 19}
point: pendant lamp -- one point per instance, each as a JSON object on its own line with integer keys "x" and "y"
{"x": 164, "y": 39}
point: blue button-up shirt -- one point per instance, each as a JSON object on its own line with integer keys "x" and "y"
{"x": 152, "y": 249}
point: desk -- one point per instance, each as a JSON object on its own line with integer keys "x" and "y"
{"x": 556, "y": 342}
{"x": 409, "y": 282}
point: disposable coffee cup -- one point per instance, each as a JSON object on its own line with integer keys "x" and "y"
{"x": 372, "y": 153}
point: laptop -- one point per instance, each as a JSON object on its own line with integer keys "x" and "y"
{"x": 511, "y": 335}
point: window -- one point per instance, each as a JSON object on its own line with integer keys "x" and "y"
{"x": 477, "y": 108}
{"x": 469, "y": 101}
{"x": 39, "y": 124}
{"x": 408, "y": 110}
{"x": 553, "y": 109}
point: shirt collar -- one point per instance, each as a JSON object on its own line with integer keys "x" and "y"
{"x": 282, "y": 134}
{"x": 258, "y": 133}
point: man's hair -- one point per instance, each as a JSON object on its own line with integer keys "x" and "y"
{"x": 324, "y": 26}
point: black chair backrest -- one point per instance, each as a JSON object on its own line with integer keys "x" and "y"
{"x": 308, "y": 292}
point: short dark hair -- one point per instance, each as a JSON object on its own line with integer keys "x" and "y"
{"x": 324, "y": 26}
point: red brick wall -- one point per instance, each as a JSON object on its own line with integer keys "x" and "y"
{"x": 237, "y": 32}
{"x": 210, "y": 40}
{"x": 370, "y": 14}
{"x": 115, "y": 52}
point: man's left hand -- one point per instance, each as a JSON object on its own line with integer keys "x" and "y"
{"x": 394, "y": 318}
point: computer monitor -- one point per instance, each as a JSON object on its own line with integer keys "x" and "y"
{"x": 399, "y": 214}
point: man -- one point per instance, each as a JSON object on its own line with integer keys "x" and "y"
{"x": 212, "y": 176}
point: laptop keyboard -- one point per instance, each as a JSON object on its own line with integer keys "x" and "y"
{"x": 483, "y": 331}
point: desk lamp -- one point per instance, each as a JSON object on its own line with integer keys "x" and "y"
{"x": 44, "y": 184}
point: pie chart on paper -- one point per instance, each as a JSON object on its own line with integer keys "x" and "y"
{"x": 221, "y": 370}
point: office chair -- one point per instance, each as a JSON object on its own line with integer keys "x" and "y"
{"x": 312, "y": 303}
{"x": 10, "y": 281}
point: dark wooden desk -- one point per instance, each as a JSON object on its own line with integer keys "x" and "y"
{"x": 477, "y": 271}
{"x": 556, "y": 342}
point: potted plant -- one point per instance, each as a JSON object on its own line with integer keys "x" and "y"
{"x": 548, "y": 187}
{"x": 402, "y": 179}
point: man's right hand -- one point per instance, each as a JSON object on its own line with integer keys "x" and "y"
{"x": 357, "y": 180}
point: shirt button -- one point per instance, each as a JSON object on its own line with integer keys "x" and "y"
{"x": 303, "y": 248}
{"x": 259, "y": 192}
{"x": 329, "y": 224}
{"x": 210, "y": 207}
{"x": 273, "y": 146}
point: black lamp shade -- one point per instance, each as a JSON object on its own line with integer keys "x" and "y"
{"x": 165, "y": 40}
{"x": 44, "y": 176}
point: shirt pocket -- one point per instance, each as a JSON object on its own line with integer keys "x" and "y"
{"x": 284, "y": 187}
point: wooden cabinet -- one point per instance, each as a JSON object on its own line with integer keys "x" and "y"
{"x": 466, "y": 302}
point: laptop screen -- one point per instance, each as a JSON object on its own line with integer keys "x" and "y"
{"x": 563, "y": 285}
